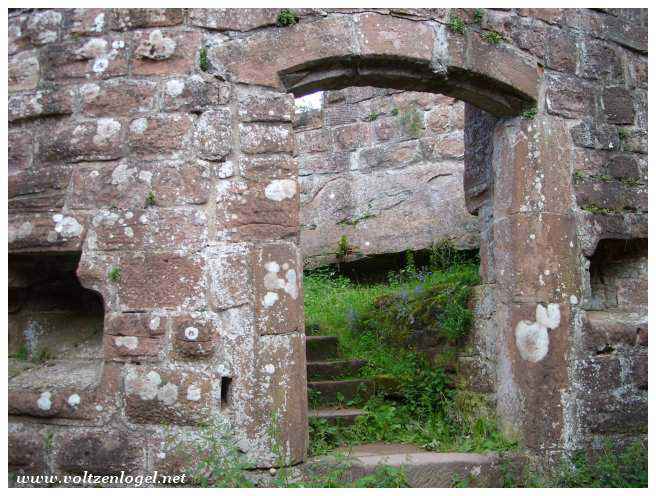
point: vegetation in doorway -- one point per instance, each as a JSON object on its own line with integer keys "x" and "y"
{"x": 428, "y": 408}
{"x": 344, "y": 248}
{"x": 287, "y": 17}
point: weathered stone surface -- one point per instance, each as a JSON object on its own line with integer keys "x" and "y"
{"x": 83, "y": 141}
{"x": 23, "y": 71}
{"x": 266, "y": 138}
{"x": 195, "y": 93}
{"x": 106, "y": 163}
{"x": 157, "y": 395}
{"x": 174, "y": 281}
{"x": 618, "y": 105}
{"x": 159, "y": 134}
{"x": 162, "y": 52}
{"x": 99, "y": 453}
{"x": 194, "y": 338}
{"x": 124, "y": 19}
{"x": 26, "y": 450}
{"x": 93, "y": 58}
{"x": 277, "y": 282}
{"x": 249, "y": 210}
{"x": 43, "y": 27}
{"x": 50, "y": 102}
{"x": 212, "y": 135}
{"x": 117, "y": 97}
{"x": 233, "y": 19}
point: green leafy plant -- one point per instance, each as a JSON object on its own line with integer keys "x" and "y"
{"x": 492, "y": 37}
{"x": 22, "y": 354}
{"x": 344, "y": 248}
{"x": 456, "y": 24}
{"x": 287, "y": 17}
{"x": 150, "y": 199}
{"x": 202, "y": 60}
{"x": 530, "y": 113}
{"x": 114, "y": 274}
{"x": 394, "y": 111}
{"x": 478, "y": 15}
{"x": 372, "y": 116}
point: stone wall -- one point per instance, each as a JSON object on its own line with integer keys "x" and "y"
{"x": 383, "y": 168}
{"x": 157, "y": 146}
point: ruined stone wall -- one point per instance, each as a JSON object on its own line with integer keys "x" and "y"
{"x": 383, "y": 168}
{"x": 157, "y": 145}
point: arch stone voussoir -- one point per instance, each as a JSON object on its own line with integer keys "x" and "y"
{"x": 372, "y": 49}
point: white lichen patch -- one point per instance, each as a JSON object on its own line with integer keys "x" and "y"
{"x": 45, "y": 401}
{"x": 269, "y": 368}
{"x": 20, "y": 232}
{"x": 191, "y": 333}
{"x": 106, "y": 130}
{"x": 274, "y": 283}
{"x": 280, "y": 189}
{"x": 129, "y": 342}
{"x": 532, "y": 338}
{"x": 175, "y": 87}
{"x": 139, "y": 125}
{"x": 193, "y": 393}
{"x": 168, "y": 394}
{"x": 67, "y": 226}
{"x": 270, "y": 299}
{"x": 74, "y": 400}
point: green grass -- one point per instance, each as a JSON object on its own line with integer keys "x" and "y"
{"x": 609, "y": 467}
{"x": 375, "y": 322}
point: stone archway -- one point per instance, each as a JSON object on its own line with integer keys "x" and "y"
{"x": 158, "y": 142}
{"x": 516, "y": 178}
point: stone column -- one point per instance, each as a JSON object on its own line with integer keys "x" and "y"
{"x": 536, "y": 270}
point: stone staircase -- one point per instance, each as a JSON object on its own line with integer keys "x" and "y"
{"x": 331, "y": 382}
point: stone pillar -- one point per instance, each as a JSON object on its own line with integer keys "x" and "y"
{"x": 536, "y": 271}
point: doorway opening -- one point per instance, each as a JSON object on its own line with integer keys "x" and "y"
{"x": 391, "y": 272}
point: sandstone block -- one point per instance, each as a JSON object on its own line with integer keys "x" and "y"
{"x": 259, "y": 138}
{"x": 156, "y": 395}
{"x": 23, "y": 71}
{"x": 165, "y": 52}
{"x": 159, "y": 134}
{"x": 212, "y": 135}
{"x": 118, "y": 98}
{"x": 80, "y": 141}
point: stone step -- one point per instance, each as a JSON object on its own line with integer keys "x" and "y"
{"x": 423, "y": 468}
{"x": 333, "y": 369}
{"x": 320, "y": 348}
{"x": 332, "y": 392}
{"x": 342, "y": 416}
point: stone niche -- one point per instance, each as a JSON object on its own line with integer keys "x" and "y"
{"x": 618, "y": 276}
{"x": 55, "y": 336}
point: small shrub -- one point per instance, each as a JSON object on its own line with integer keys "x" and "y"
{"x": 287, "y": 17}
{"x": 150, "y": 199}
{"x": 372, "y": 116}
{"x": 22, "y": 353}
{"x": 478, "y": 15}
{"x": 530, "y": 112}
{"x": 114, "y": 274}
{"x": 202, "y": 60}
{"x": 456, "y": 24}
{"x": 344, "y": 248}
{"x": 493, "y": 37}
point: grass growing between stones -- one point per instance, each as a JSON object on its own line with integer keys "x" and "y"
{"x": 379, "y": 323}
